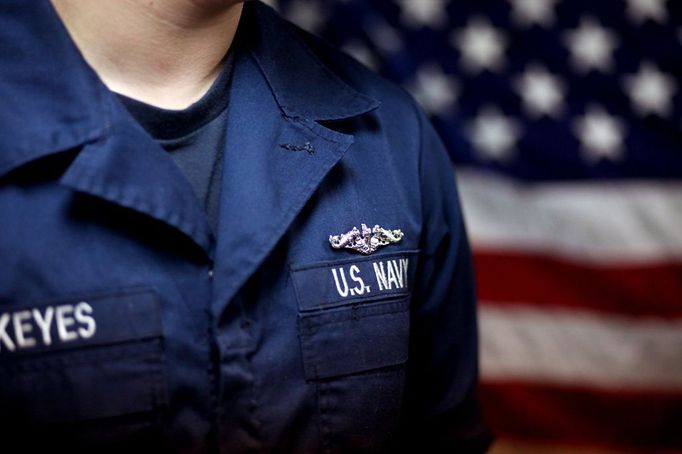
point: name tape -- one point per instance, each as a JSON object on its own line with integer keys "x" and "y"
{"x": 99, "y": 319}
{"x": 337, "y": 283}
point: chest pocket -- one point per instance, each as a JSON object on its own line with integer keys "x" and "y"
{"x": 87, "y": 368}
{"x": 353, "y": 328}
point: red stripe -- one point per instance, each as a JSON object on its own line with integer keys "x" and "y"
{"x": 651, "y": 290}
{"x": 640, "y": 420}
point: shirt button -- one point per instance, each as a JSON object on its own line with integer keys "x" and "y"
{"x": 210, "y": 274}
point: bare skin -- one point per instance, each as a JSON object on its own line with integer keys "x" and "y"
{"x": 166, "y": 53}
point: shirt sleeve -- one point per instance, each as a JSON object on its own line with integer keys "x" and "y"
{"x": 441, "y": 409}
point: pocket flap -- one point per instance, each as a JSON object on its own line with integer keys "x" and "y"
{"x": 355, "y": 339}
{"x": 82, "y": 358}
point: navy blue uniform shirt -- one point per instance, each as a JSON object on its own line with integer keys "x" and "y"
{"x": 125, "y": 324}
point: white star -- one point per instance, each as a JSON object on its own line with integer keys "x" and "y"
{"x": 493, "y": 135}
{"x": 643, "y": 10}
{"x": 307, "y": 14}
{"x": 650, "y": 91}
{"x": 434, "y": 90}
{"x": 529, "y": 12}
{"x": 418, "y": 13}
{"x": 591, "y": 46}
{"x": 361, "y": 53}
{"x": 600, "y": 134}
{"x": 273, "y": 3}
{"x": 384, "y": 36}
{"x": 481, "y": 45}
{"x": 542, "y": 93}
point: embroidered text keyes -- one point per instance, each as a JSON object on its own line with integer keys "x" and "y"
{"x": 101, "y": 318}
{"x": 25, "y": 329}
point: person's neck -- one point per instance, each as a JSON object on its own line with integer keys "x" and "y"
{"x": 166, "y": 53}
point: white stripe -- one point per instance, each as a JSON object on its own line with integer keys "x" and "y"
{"x": 580, "y": 348}
{"x": 601, "y": 222}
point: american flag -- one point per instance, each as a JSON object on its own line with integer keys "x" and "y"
{"x": 564, "y": 120}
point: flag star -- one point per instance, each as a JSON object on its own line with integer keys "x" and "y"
{"x": 434, "y": 90}
{"x": 361, "y": 53}
{"x": 643, "y": 10}
{"x": 529, "y": 12}
{"x": 591, "y": 46}
{"x": 418, "y": 13}
{"x": 384, "y": 36}
{"x": 482, "y": 46}
{"x": 493, "y": 135}
{"x": 600, "y": 134}
{"x": 307, "y": 14}
{"x": 541, "y": 92}
{"x": 650, "y": 91}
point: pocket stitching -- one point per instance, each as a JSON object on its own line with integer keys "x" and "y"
{"x": 311, "y": 353}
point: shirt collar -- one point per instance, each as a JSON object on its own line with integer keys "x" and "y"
{"x": 53, "y": 100}
{"x": 302, "y": 85}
